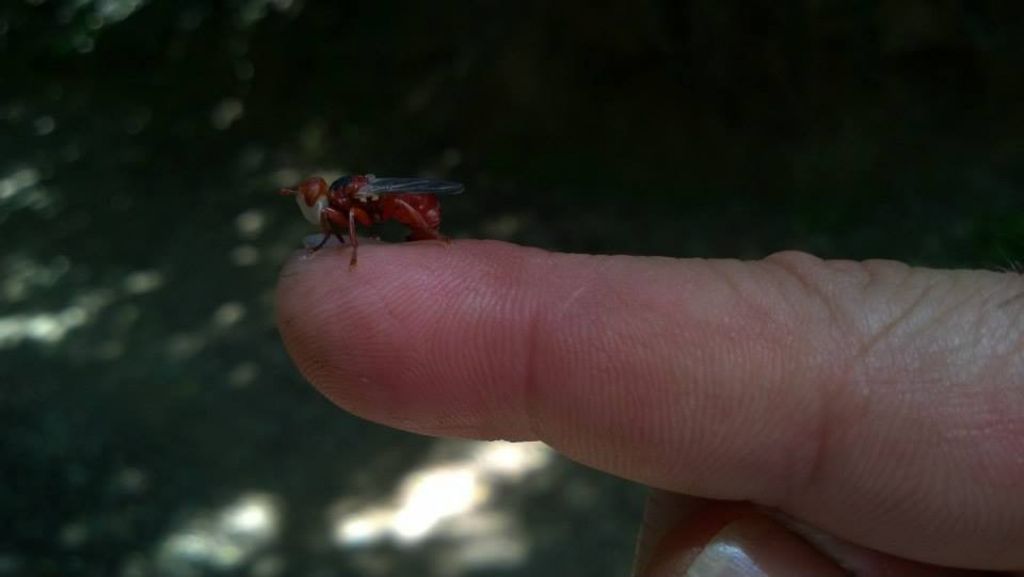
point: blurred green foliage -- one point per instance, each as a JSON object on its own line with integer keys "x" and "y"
{"x": 661, "y": 127}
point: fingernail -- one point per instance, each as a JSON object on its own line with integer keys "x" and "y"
{"x": 759, "y": 547}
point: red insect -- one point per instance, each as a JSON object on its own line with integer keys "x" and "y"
{"x": 367, "y": 200}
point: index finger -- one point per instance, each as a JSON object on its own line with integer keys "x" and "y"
{"x": 850, "y": 395}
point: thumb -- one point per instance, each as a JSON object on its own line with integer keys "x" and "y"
{"x": 702, "y": 538}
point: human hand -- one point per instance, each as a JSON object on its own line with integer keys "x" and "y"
{"x": 880, "y": 404}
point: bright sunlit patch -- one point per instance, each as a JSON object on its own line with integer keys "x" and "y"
{"x": 251, "y": 516}
{"x": 143, "y": 281}
{"x": 367, "y": 527}
{"x": 245, "y": 255}
{"x": 251, "y": 223}
{"x": 21, "y": 276}
{"x": 21, "y": 188}
{"x": 491, "y": 544}
{"x": 432, "y": 496}
{"x": 427, "y": 498}
{"x": 449, "y": 497}
{"x": 111, "y": 11}
{"x": 222, "y": 540}
{"x": 511, "y": 460}
{"x": 18, "y": 181}
{"x": 229, "y": 314}
{"x": 52, "y": 327}
{"x": 243, "y": 374}
{"x": 130, "y": 481}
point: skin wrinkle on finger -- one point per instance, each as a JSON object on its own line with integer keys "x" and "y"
{"x": 954, "y": 321}
{"x": 963, "y": 336}
{"x": 947, "y": 314}
{"x": 1015, "y": 299}
{"x": 822, "y": 418}
{"x": 837, "y": 402}
{"x": 971, "y": 383}
{"x": 658, "y": 372}
{"x": 1006, "y": 302}
{"x": 479, "y": 309}
{"x": 530, "y": 390}
{"x": 521, "y": 348}
{"x": 814, "y": 295}
{"x": 530, "y": 378}
{"x": 844, "y": 402}
{"x": 640, "y": 325}
{"x": 915, "y": 317}
{"x": 881, "y": 336}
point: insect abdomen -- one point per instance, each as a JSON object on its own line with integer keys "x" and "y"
{"x": 426, "y": 205}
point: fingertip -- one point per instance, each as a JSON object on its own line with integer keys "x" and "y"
{"x": 725, "y": 539}
{"x": 423, "y": 336}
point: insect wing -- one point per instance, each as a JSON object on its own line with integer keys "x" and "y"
{"x": 411, "y": 186}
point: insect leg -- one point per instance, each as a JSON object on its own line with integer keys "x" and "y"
{"x": 421, "y": 230}
{"x": 327, "y": 228}
{"x": 320, "y": 245}
{"x": 352, "y": 236}
{"x": 333, "y": 222}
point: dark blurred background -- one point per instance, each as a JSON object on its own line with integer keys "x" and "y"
{"x": 152, "y": 423}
